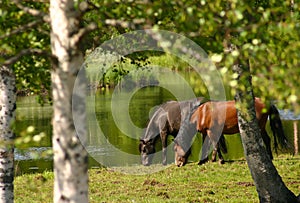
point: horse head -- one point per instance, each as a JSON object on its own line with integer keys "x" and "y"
{"x": 181, "y": 157}
{"x": 147, "y": 151}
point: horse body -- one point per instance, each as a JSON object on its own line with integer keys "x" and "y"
{"x": 215, "y": 118}
{"x": 206, "y": 117}
{"x": 165, "y": 121}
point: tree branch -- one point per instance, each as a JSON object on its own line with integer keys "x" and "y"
{"x": 22, "y": 28}
{"x": 83, "y": 31}
{"x": 125, "y": 24}
{"x": 31, "y": 11}
{"x": 24, "y": 52}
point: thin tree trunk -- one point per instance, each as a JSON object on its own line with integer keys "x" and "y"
{"x": 296, "y": 137}
{"x": 7, "y": 115}
{"x": 70, "y": 157}
{"x": 269, "y": 185}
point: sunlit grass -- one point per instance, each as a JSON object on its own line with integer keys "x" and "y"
{"x": 211, "y": 182}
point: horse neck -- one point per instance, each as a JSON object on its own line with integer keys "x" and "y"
{"x": 152, "y": 130}
{"x": 186, "y": 134}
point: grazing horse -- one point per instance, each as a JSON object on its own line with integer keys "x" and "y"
{"x": 215, "y": 118}
{"x": 165, "y": 121}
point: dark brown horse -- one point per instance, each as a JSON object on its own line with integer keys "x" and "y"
{"x": 165, "y": 121}
{"x": 215, "y": 118}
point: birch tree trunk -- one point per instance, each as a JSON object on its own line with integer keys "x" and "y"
{"x": 7, "y": 115}
{"x": 70, "y": 157}
{"x": 269, "y": 185}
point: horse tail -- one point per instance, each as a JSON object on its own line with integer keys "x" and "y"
{"x": 222, "y": 144}
{"x": 277, "y": 129}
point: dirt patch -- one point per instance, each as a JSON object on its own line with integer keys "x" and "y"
{"x": 210, "y": 192}
{"x": 295, "y": 182}
{"x": 163, "y": 194}
{"x": 41, "y": 178}
{"x": 153, "y": 182}
{"x": 245, "y": 184}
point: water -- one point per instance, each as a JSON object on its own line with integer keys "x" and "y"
{"x": 113, "y": 138}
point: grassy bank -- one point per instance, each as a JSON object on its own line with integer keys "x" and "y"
{"x": 208, "y": 183}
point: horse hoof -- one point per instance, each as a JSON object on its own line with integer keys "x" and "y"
{"x": 221, "y": 161}
{"x": 202, "y": 162}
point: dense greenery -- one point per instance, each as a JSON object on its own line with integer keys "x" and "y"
{"x": 25, "y": 39}
{"x": 271, "y": 41}
{"x": 192, "y": 183}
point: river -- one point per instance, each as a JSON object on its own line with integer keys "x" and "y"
{"x": 115, "y": 123}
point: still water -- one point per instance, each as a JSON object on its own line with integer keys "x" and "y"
{"x": 116, "y": 123}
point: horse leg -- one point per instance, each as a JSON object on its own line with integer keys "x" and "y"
{"x": 267, "y": 142}
{"x": 215, "y": 146}
{"x": 214, "y": 155}
{"x": 215, "y": 152}
{"x": 221, "y": 140}
{"x": 218, "y": 151}
{"x": 164, "y": 141}
{"x": 221, "y": 159}
{"x": 205, "y": 149}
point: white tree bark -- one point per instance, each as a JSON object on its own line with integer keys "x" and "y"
{"x": 70, "y": 157}
{"x": 7, "y": 115}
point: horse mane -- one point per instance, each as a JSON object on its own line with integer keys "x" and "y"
{"x": 152, "y": 130}
{"x": 188, "y": 128}
{"x": 152, "y": 127}
{"x": 195, "y": 108}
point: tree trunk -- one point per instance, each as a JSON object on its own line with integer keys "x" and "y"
{"x": 7, "y": 115}
{"x": 70, "y": 157}
{"x": 269, "y": 185}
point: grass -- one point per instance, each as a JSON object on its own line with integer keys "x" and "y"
{"x": 211, "y": 182}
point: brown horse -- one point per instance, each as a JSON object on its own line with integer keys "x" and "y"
{"x": 215, "y": 118}
{"x": 165, "y": 121}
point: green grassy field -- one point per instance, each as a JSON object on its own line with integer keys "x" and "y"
{"x": 211, "y": 182}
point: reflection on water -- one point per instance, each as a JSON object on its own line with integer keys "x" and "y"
{"x": 108, "y": 142}
{"x": 33, "y": 153}
{"x": 288, "y": 115}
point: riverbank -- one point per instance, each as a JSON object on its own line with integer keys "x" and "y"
{"x": 211, "y": 182}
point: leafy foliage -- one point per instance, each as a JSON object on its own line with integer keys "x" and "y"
{"x": 271, "y": 41}
{"x": 267, "y": 33}
{"x": 29, "y": 33}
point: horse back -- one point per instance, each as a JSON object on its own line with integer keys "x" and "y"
{"x": 178, "y": 111}
{"x": 213, "y": 114}
{"x": 202, "y": 117}
{"x": 223, "y": 114}
{"x": 173, "y": 116}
